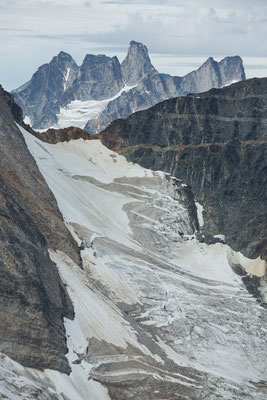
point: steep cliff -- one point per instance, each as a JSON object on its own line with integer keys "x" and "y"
{"x": 33, "y": 300}
{"x": 215, "y": 142}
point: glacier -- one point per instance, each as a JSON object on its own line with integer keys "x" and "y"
{"x": 157, "y": 313}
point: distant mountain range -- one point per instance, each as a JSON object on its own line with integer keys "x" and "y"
{"x": 90, "y": 96}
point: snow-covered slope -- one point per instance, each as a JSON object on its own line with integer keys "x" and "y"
{"x": 157, "y": 314}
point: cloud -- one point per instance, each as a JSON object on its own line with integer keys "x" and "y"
{"x": 32, "y": 31}
{"x": 15, "y": 30}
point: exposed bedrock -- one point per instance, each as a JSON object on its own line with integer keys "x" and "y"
{"x": 216, "y": 143}
{"x": 33, "y": 300}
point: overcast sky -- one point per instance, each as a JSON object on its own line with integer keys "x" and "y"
{"x": 180, "y": 34}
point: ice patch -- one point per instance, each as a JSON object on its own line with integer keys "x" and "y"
{"x": 230, "y": 83}
{"x": 219, "y": 236}
{"x": 200, "y": 210}
{"x": 66, "y": 77}
{"x": 27, "y": 120}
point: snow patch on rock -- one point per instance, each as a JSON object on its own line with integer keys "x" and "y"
{"x": 200, "y": 210}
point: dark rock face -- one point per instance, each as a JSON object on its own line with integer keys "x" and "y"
{"x": 215, "y": 142}
{"x": 58, "y": 83}
{"x": 99, "y": 78}
{"x": 54, "y": 136}
{"x": 33, "y": 300}
{"x": 42, "y": 96}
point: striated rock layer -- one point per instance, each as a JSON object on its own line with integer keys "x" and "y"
{"x": 215, "y": 142}
{"x": 33, "y": 300}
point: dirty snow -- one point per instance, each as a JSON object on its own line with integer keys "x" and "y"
{"x": 27, "y": 120}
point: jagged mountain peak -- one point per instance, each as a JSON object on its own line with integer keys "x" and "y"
{"x": 137, "y": 64}
{"x": 64, "y": 56}
{"x": 232, "y": 66}
{"x": 232, "y": 58}
{"x": 62, "y": 61}
{"x": 91, "y": 59}
{"x": 138, "y": 48}
{"x": 209, "y": 60}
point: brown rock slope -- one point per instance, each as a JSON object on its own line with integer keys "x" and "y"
{"x": 215, "y": 142}
{"x": 52, "y": 136}
{"x": 33, "y": 300}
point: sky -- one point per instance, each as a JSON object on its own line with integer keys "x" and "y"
{"x": 180, "y": 34}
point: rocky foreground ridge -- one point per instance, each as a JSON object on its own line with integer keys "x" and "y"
{"x": 33, "y": 300}
{"x": 90, "y": 96}
{"x": 215, "y": 142}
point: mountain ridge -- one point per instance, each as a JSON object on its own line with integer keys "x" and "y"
{"x": 55, "y": 96}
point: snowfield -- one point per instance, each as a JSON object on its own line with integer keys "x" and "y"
{"x": 158, "y": 315}
{"x": 78, "y": 113}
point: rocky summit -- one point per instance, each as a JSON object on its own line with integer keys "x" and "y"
{"x": 216, "y": 143}
{"x": 62, "y": 94}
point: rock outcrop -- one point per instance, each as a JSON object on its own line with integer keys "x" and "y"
{"x": 33, "y": 299}
{"x": 215, "y": 142}
{"x": 60, "y": 92}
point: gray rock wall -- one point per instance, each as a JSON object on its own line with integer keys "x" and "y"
{"x": 215, "y": 142}
{"x": 33, "y": 300}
